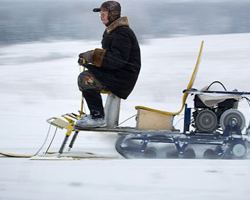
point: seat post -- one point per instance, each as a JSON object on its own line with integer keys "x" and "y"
{"x": 112, "y": 110}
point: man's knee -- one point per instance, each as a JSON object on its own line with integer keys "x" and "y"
{"x": 80, "y": 81}
{"x": 86, "y": 80}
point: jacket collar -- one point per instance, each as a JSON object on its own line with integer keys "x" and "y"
{"x": 123, "y": 21}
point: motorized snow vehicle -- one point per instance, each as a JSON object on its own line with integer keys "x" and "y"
{"x": 213, "y": 126}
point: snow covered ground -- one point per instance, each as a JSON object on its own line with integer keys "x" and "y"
{"x": 38, "y": 81}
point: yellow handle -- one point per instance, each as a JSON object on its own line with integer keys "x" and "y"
{"x": 82, "y": 99}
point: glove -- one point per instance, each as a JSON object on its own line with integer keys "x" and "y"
{"x": 81, "y": 61}
{"x": 88, "y": 56}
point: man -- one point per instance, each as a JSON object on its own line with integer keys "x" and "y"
{"x": 115, "y": 67}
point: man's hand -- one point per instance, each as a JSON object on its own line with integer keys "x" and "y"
{"x": 88, "y": 56}
{"x": 94, "y": 56}
{"x": 81, "y": 61}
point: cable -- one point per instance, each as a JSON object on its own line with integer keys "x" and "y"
{"x": 178, "y": 121}
{"x": 51, "y": 141}
{"x": 248, "y": 128}
{"x": 127, "y": 119}
{"x": 248, "y": 101}
{"x": 218, "y": 83}
{"x": 44, "y": 141}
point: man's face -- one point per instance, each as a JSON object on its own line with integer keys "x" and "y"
{"x": 104, "y": 16}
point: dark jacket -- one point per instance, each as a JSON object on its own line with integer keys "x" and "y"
{"x": 118, "y": 64}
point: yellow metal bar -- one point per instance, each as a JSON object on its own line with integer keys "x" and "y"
{"x": 185, "y": 95}
{"x": 81, "y": 111}
{"x": 69, "y": 130}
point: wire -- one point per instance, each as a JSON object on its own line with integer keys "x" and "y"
{"x": 127, "y": 119}
{"x": 248, "y": 100}
{"x": 218, "y": 83}
{"x": 178, "y": 121}
{"x": 44, "y": 141}
{"x": 248, "y": 128}
{"x": 51, "y": 141}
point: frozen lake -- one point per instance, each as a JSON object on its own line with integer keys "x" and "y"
{"x": 38, "y": 81}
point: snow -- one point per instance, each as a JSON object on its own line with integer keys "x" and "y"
{"x": 38, "y": 81}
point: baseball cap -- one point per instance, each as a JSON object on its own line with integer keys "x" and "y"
{"x": 110, "y": 6}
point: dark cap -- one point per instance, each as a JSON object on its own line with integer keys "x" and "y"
{"x": 110, "y": 6}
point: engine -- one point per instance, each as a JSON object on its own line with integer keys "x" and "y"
{"x": 214, "y": 118}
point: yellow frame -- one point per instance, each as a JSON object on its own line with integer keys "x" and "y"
{"x": 185, "y": 95}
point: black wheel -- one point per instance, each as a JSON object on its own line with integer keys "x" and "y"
{"x": 150, "y": 153}
{"x": 210, "y": 154}
{"x": 232, "y": 117}
{"x": 171, "y": 152}
{"x": 206, "y": 121}
{"x": 239, "y": 150}
{"x": 189, "y": 153}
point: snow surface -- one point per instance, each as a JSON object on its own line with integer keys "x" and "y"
{"x": 38, "y": 81}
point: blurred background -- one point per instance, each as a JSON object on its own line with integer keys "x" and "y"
{"x": 44, "y": 20}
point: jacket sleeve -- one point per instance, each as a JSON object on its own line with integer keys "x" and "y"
{"x": 118, "y": 54}
{"x": 97, "y": 57}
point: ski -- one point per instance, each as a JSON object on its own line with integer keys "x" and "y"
{"x": 15, "y": 155}
{"x": 57, "y": 156}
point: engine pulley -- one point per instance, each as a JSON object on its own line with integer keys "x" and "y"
{"x": 206, "y": 121}
{"x": 232, "y": 117}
